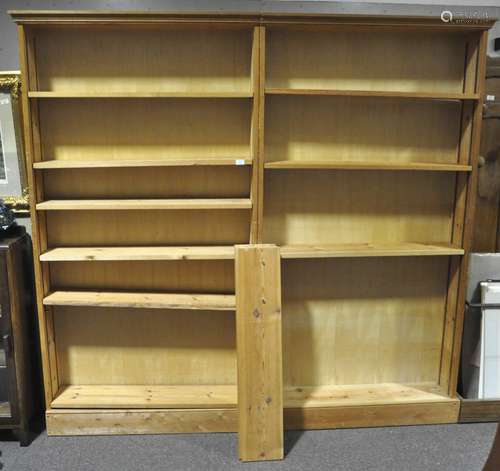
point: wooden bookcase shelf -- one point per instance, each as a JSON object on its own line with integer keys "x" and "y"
{"x": 144, "y": 204}
{"x": 190, "y": 94}
{"x": 82, "y": 254}
{"x": 146, "y": 397}
{"x": 362, "y": 395}
{"x": 83, "y": 164}
{"x": 372, "y": 93}
{"x": 211, "y": 114}
{"x": 400, "y": 249}
{"x": 66, "y": 254}
{"x": 207, "y": 302}
{"x": 189, "y": 396}
{"x": 346, "y": 165}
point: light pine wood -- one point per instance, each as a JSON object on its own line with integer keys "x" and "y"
{"x": 389, "y": 137}
{"x": 197, "y": 128}
{"x": 344, "y": 165}
{"x": 152, "y": 421}
{"x": 258, "y": 328}
{"x": 357, "y": 207}
{"x": 35, "y": 185}
{"x": 158, "y": 227}
{"x": 150, "y": 276}
{"x": 135, "y": 421}
{"x": 404, "y": 249}
{"x": 210, "y": 302}
{"x": 467, "y": 153}
{"x": 383, "y": 322}
{"x": 373, "y": 93}
{"x": 361, "y": 395}
{"x": 262, "y": 110}
{"x": 119, "y": 163}
{"x": 192, "y": 182}
{"x": 461, "y": 189}
{"x": 255, "y": 135}
{"x": 144, "y": 204}
{"x": 81, "y": 254}
{"x": 468, "y": 221}
{"x": 152, "y": 59}
{"x": 306, "y": 59}
{"x": 240, "y": 20}
{"x": 225, "y": 396}
{"x": 201, "y": 94}
{"x": 146, "y": 397}
{"x": 126, "y": 346}
{"x": 384, "y": 415}
{"x": 40, "y": 196}
{"x": 361, "y": 129}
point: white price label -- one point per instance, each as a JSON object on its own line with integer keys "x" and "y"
{"x": 239, "y": 162}
{"x": 490, "y": 97}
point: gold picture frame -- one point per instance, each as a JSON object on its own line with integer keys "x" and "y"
{"x": 17, "y": 199}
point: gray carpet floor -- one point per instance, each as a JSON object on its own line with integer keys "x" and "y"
{"x": 429, "y": 448}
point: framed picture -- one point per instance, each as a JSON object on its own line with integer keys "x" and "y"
{"x": 13, "y": 183}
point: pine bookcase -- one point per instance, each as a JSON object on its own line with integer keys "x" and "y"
{"x": 369, "y": 144}
{"x": 157, "y": 142}
{"x": 143, "y": 141}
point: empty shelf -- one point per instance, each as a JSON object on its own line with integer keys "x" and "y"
{"x": 215, "y": 396}
{"x": 396, "y": 249}
{"x": 372, "y": 93}
{"x": 45, "y": 94}
{"x": 75, "y": 254}
{"x": 212, "y": 302}
{"x": 362, "y": 395}
{"x": 225, "y": 203}
{"x": 143, "y": 397}
{"x": 352, "y": 165}
{"x": 64, "y": 164}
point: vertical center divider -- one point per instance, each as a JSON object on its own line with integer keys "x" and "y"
{"x": 259, "y": 165}
{"x": 255, "y": 135}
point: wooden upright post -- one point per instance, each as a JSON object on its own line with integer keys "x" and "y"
{"x": 260, "y": 372}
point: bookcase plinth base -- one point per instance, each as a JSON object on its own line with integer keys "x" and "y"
{"x": 163, "y": 421}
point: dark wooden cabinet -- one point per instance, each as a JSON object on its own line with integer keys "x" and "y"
{"x": 18, "y": 399}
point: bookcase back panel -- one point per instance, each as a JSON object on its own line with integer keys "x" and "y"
{"x": 145, "y": 129}
{"x": 185, "y": 276}
{"x": 145, "y": 228}
{"x": 131, "y": 346}
{"x": 321, "y": 207}
{"x": 174, "y": 182}
{"x": 363, "y": 321}
{"x": 361, "y": 128}
{"x": 148, "y": 59}
{"x": 365, "y": 60}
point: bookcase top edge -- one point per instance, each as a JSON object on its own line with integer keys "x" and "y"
{"x": 136, "y": 16}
